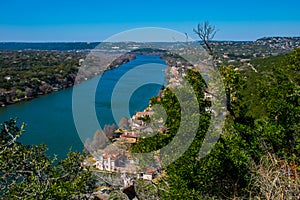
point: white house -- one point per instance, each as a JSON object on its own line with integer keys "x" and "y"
{"x": 105, "y": 164}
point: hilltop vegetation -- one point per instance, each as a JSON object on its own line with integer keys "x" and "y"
{"x": 31, "y": 69}
{"x": 257, "y": 156}
{"x": 24, "y": 75}
{"x": 26, "y": 172}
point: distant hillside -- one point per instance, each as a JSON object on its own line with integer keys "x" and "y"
{"x": 240, "y": 51}
{"x": 288, "y": 43}
{"x": 285, "y": 43}
{"x": 59, "y": 46}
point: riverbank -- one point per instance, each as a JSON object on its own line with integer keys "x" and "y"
{"x": 25, "y": 75}
{"x": 117, "y": 159}
{"x": 50, "y": 117}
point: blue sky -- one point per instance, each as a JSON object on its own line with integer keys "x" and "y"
{"x": 91, "y": 20}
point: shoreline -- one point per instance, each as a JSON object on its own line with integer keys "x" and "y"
{"x": 9, "y": 97}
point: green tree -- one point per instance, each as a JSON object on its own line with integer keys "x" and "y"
{"x": 26, "y": 172}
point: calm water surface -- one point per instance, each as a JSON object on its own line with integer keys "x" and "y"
{"x": 49, "y": 118}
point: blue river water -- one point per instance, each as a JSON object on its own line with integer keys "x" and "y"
{"x": 50, "y": 120}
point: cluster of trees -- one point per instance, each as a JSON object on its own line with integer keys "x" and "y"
{"x": 257, "y": 156}
{"x": 27, "y": 74}
{"x": 26, "y": 172}
{"x": 31, "y": 73}
{"x": 100, "y": 139}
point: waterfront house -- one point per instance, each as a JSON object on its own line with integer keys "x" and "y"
{"x": 143, "y": 114}
{"x": 112, "y": 161}
{"x": 106, "y": 164}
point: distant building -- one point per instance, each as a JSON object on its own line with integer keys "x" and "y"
{"x": 112, "y": 161}
{"x": 105, "y": 164}
{"x": 207, "y": 96}
{"x": 148, "y": 175}
{"x": 142, "y": 114}
{"x": 7, "y": 78}
{"x": 80, "y": 62}
{"x": 133, "y": 135}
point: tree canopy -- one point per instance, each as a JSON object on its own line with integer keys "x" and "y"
{"x": 26, "y": 172}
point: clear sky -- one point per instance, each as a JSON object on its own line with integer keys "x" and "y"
{"x": 95, "y": 20}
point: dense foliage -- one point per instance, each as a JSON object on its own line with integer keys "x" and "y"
{"x": 26, "y": 172}
{"x": 258, "y": 153}
{"x": 26, "y": 74}
{"x": 257, "y": 156}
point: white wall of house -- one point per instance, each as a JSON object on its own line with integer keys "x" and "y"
{"x": 148, "y": 177}
{"x": 105, "y": 164}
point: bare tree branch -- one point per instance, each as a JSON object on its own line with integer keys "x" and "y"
{"x": 206, "y": 33}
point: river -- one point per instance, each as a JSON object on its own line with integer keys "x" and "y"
{"x": 49, "y": 118}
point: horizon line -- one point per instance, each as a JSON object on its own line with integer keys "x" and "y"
{"x": 83, "y": 41}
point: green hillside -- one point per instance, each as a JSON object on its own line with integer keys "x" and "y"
{"x": 258, "y": 154}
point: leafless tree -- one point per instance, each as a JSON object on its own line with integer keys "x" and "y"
{"x": 206, "y": 32}
{"x": 109, "y": 130}
{"x": 100, "y": 141}
{"x": 123, "y": 123}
